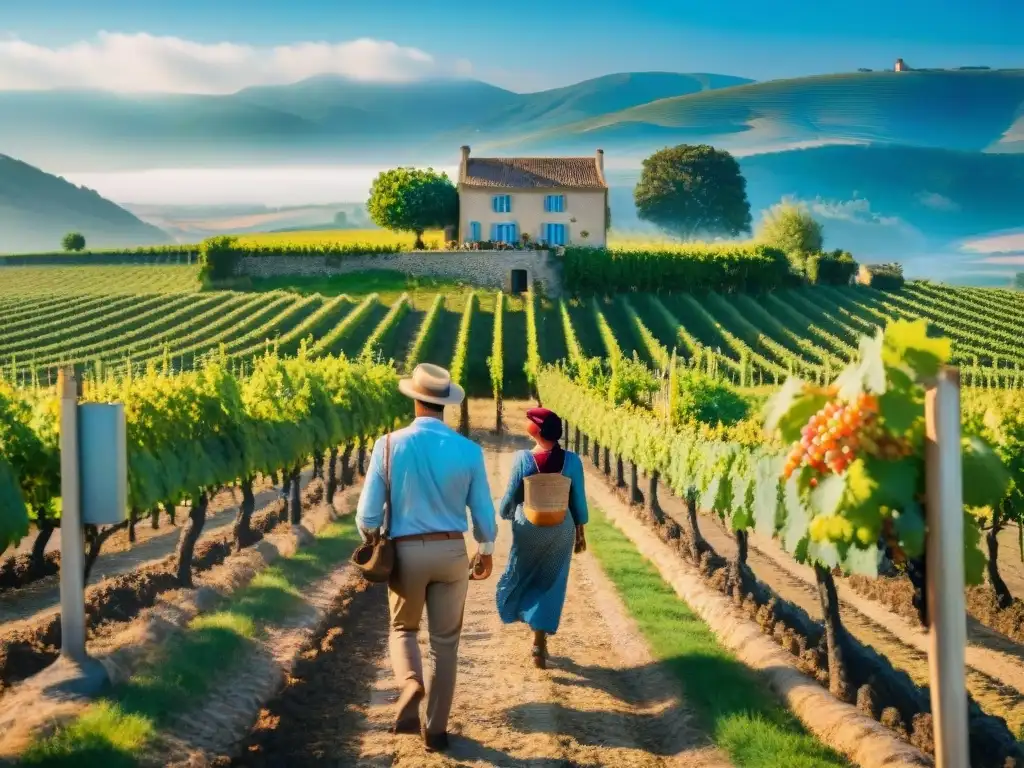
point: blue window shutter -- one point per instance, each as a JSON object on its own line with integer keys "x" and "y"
{"x": 508, "y": 203}
{"x": 474, "y": 231}
{"x": 494, "y": 232}
{"x": 561, "y": 203}
{"x": 547, "y": 204}
{"x": 513, "y": 232}
{"x": 494, "y": 203}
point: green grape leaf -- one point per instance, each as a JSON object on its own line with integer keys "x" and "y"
{"x": 828, "y": 496}
{"x": 824, "y": 553}
{"x": 789, "y": 409}
{"x": 867, "y": 374}
{"x": 985, "y": 479}
{"x": 907, "y": 344}
{"x": 974, "y": 558}
{"x": 742, "y": 519}
{"x": 901, "y": 407}
{"x": 769, "y": 511}
{"x": 910, "y": 529}
{"x": 794, "y": 533}
{"x": 894, "y": 484}
{"x": 862, "y": 561}
{"x": 13, "y": 513}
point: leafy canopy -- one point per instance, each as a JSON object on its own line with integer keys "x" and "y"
{"x": 790, "y": 228}
{"x": 693, "y": 190}
{"x": 73, "y": 241}
{"x": 413, "y": 200}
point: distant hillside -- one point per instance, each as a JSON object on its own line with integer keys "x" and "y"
{"x": 326, "y": 117}
{"x": 37, "y": 210}
{"x": 965, "y": 110}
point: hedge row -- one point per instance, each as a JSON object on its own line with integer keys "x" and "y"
{"x": 218, "y": 256}
{"x": 722, "y": 268}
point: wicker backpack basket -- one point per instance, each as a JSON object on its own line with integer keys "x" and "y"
{"x": 546, "y": 499}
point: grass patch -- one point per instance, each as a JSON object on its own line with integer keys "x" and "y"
{"x": 390, "y": 285}
{"x": 115, "y": 730}
{"x": 731, "y": 701}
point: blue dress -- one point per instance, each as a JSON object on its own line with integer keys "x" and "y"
{"x": 532, "y": 589}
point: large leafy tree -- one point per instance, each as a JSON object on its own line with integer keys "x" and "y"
{"x": 413, "y": 200}
{"x": 693, "y": 190}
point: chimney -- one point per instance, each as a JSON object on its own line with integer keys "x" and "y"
{"x": 600, "y": 161}
{"x": 465, "y": 155}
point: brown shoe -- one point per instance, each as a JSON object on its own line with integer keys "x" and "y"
{"x": 435, "y": 742}
{"x": 540, "y": 650}
{"x": 408, "y": 708}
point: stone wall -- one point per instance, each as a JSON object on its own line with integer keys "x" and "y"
{"x": 490, "y": 269}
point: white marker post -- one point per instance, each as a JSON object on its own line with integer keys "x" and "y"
{"x": 93, "y": 488}
{"x": 945, "y": 571}
{"x": 72, "y": 544}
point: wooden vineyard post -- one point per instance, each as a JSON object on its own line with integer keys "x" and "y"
{"x": 945, "y": 571}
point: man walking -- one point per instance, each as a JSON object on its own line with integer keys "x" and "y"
{"x": 435, "y": 473}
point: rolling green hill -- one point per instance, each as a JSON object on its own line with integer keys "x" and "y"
{"x": 628, "y": 114}
{"x": 326, "y": 117}
{"x": 965, "y": 110}
{"x": 37, "y": 209}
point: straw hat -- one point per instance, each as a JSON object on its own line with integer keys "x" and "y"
{"x": 431, "y": 384}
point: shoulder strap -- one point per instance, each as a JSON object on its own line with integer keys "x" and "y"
{"x": 386, "y": 528}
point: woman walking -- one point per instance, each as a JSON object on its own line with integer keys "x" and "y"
{"x": 547, "y": 525}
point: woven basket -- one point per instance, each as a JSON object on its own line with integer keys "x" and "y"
{"x": 546, "y": 498}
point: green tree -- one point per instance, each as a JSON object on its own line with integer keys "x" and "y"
{"x": 1018, "y": 281}
{"x": 341, "y": 219}
{"x": 73, "y": 241}
{"x": 790, "y": 228}
{"x": 691, "y": 190}
{"x": 413, "y": 200}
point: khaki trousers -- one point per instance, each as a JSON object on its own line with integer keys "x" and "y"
{"x": 435, "y": 575}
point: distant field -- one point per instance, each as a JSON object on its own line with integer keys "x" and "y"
{"x": 340, "y": 237}
{"x": 77, "y": 280}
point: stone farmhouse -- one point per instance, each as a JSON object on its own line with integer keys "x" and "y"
{"x": 552, "y": 201}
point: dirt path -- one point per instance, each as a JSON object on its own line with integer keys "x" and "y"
{"x": 995, "y": 675}
{"x": 602, "y": 700}
{"x": 26, "y": 602}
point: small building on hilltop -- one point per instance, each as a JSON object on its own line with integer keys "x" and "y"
{"x": 901, "y": 66}
{"x": 550, "y": 201}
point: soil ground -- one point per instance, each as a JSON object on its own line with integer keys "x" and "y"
{"x": 18, "y": 605}
{"x": 601, "y": 701}
{"x": 995, "y": 665}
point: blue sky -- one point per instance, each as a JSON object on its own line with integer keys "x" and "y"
{"x": 545, "y": 44}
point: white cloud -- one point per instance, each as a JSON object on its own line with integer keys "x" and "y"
{"x": 937, "y": 201}
{"x": 142, "y": 62}
{"x": 857, "y": 210}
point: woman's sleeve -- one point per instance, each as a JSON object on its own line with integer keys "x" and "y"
{"x": 578, "y": 493}
{"x": 514, "y": 493}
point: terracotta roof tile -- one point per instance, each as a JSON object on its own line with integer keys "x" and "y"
{"x": 533, "y": 173}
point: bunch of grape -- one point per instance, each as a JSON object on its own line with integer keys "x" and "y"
{"x": 833, "y": 436}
